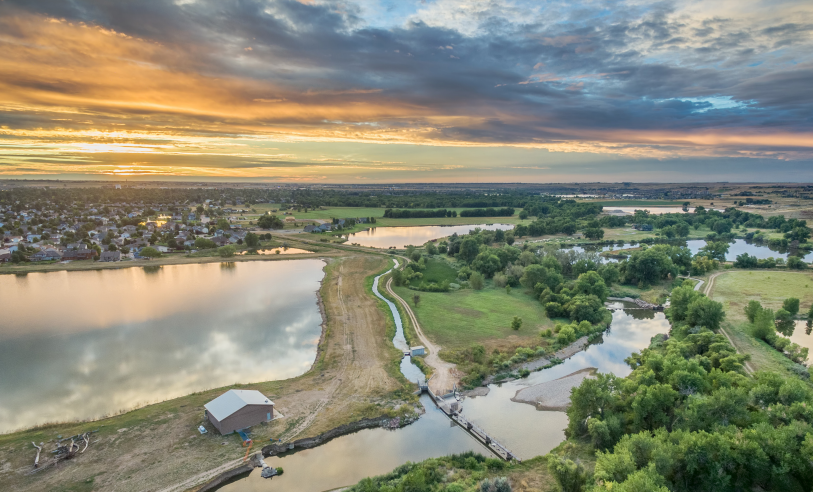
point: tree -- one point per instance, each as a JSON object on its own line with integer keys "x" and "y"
{"x": 268, "y": 221}
{"x": 586, "y": 308}
{"x": 223, "y": 224}
{"x": 752, "y": 309}
{"x": 252, "y": 240}
{"x": 809, "y": 327}
{"x": 203, "y": 243}
{"x": 796, "y": 263}
{"x": 112, "y": 247}
{"x": 477, "y": 281}
{"x": 609, "y": 273}
{"x": 469, "y": 249}
{"x": 516, "y": 323}
{"x": 416, "y": 298}
{"x": 784, "y": 322}
{"x": 705, "y": 312}
{"x": 594, "y": 233}
{"x": 149, "y": 252}
{"x": 570, "y": 476}
{"x": 791, "y": 305}
{"x": 682, "y": 297}
{"x": 764, "y": 325}
{"x": 431, "y": 249}
{"x": 649, "y": 266}
{"x": 227, "y": 251}
{"x": 715, "y": 250}
{"x": 592, "y": 283}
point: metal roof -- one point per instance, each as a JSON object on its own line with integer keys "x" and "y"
{"x": 233, "y": 400}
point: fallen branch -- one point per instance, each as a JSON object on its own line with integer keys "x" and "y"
{"x": 87, "y": 442}
{"x": 37, "y": 459}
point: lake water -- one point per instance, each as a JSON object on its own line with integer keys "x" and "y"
{"x": 651, "y": 210}
{"x": 740, "y": 246}
{"x": 523, "y": 429}
{"x": 78, "y": 345}
{"x": 400, "y": 237}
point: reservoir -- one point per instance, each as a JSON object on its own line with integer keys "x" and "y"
{"x": 82, "y": 345}
{"x": 400, "y": 237}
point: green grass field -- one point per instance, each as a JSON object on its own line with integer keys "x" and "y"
{"x": 637, "y": 203}
{"x": 735, "y": 288}
{"x": 458, "y": 319}
{"x": 437, "y": 270}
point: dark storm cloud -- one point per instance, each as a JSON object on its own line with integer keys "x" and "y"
{"x": 613, "y": 67}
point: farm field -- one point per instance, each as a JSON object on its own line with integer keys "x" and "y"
{"x": 458, "y": 319}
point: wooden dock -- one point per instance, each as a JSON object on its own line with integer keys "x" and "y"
{"x": 492, "y": 444}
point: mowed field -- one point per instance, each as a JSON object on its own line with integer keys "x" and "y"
{"x": 735, "y": 288}
{"x": 459, "y": 319}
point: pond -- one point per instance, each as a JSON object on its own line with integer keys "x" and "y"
{"x": 740, "y": 246}
{"x": 542, "y": 431}
{"x": 525, "y": 430}
{"x": 651, "y": 210}
{"x": 278, "y": 251}
{"x": 400, "y": 237}
{"x": 85, "y": 344}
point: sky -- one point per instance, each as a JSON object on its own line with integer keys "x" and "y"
{"x": 370, "y": 91}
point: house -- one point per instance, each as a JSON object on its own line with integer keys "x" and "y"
{"x": 310, "y": 228}
{"x": 46, "y": 255}
{"x": 239, "y": 409}
{"x": 110, "y": 256}
{"x": 81, "y": 252}
{"x": 5, "y": 256}
{"x": 220, "y": 240}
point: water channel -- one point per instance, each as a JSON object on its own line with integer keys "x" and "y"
{"x": 400, "y": 237}
{"x": 84, "y": 344}
{"x": 525, "y": 430}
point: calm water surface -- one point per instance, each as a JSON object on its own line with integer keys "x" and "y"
{"x": 739, "y": 246}
{"x": 400, "y": 237}
{"x": 525, "y": 430}
{"x": 541, "y": 431}
{"x": 77, "y": 345}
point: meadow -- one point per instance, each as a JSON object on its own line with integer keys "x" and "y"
{"x": 461, "y": 318}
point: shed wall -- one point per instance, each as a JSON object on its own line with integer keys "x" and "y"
{"x": 245, "y": 417}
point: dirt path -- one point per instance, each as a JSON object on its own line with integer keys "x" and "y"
{"x": 707, "y": 291}
{"x": 444, "y": 374}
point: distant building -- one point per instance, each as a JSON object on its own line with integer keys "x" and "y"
{"x": 110, "y": 256}
{"x": 46, "y": 255}
{"x": 239, "y": 409}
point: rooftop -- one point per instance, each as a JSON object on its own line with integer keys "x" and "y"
{"x": 233, "y": 400}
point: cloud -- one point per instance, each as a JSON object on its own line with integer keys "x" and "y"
{"x": 619, "y": 78}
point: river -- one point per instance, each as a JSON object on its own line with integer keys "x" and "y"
{"x": 400, "y": 237}
{"x": 523, "y": 429}
{"x": 79, "y": 345}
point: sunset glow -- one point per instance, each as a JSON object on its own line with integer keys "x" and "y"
{"x": 341, "y": 91}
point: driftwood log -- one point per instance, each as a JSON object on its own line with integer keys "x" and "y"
{"x": 37, "y": 459}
